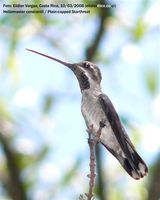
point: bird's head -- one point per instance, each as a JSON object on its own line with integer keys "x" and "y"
{"x": 87, "y": 73}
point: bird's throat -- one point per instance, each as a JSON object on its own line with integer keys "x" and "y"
{"x": 83, "y": 81}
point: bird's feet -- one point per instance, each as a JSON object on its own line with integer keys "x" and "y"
{"x": 98, "y": 134}
{"x": 91, "y": 132}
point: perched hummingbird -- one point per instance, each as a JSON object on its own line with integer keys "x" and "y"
{"x": 98, "y": 109}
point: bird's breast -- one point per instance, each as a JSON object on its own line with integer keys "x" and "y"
{"x": 93, "y": 114}
{"x": 92, "y": 111}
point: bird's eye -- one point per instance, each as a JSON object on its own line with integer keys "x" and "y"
{"x": 87, "y": 65}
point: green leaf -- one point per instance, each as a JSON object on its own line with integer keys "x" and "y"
{"x": 152, "y": 81}
{"x": 4, "y": 112}
{"x": 41, "y": 155}
{"x": 140, "y": 29}
{"x": 48, "y": 102}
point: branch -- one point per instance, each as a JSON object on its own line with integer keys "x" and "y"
{"x": 92, "y": 164}
{"x": 15, "y": 186}
{"x": 154, "y": 187}
{"x": 103, "y": 15}
{"x": 100, "y": 180}
{"x": 93, "y": 140}
{"x": 90, "y": 54}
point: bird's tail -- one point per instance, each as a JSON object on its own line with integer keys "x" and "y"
{"x": 134, "y": 165}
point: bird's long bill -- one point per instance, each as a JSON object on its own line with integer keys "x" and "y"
{"x": 52, "y": 58}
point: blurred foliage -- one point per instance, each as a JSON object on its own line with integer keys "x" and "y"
{"x": 48, "y": 102}
{"x": 19, "y": 171}
{"x": 154, "y": 184}
{"x": 4, "y": 112}
{"x": 139, "y": 30}
{"x": 152, "y": 80}
{"x": 69, "y": 175}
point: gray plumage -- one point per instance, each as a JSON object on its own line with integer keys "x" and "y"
{"x": 96, "y": 107}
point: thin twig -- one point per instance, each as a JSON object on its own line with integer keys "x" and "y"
{"x": 92, "y": 141}
{"x": 92, "y": 164}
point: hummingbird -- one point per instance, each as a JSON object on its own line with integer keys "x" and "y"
{"x": 100, "y": 114}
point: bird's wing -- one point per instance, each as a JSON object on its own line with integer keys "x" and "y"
{"x": 131, "y": 162}
{"x": 115, "y": 123}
